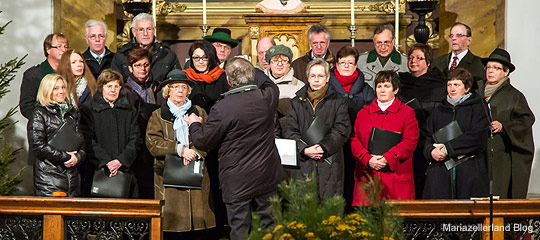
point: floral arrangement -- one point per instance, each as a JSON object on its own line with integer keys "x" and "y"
{"x": 300, "y": 215}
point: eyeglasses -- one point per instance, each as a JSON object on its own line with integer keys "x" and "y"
{"x": 218, "y": 46}
{"x": 459, "y": 35}
{"x": 344, "y": 63}
{"x": 96, "y": 36}
{"x": 418, "y": 59}
{"x": 279, "y": 61}
{"x": 116, "y": 87}
{"x": 321, "y": 44}
{"x": 142, "y": 30}
{"x": 385, "y": 43}
{"x": 494, "y": 68}
{"x": 65, "y": 47}
{"x": 200, "y": 58}
{"x": 178, "y": 86}
{"x": 141, "y": 65}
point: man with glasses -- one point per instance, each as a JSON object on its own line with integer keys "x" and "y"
{"x": 223, "y": 42}
{"x": 54, "y": 47}
{"x": 262, "y": 47}
{"x": 319, "y": 41}
{"x": 164, "y": 59}
{"x": 460, "y": 39}
{"x": 383, "y": 57}
{"x": 98, "y": 57}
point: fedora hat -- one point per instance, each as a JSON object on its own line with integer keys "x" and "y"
{"x": 222, "y": 35}
{"x": 176, "y": 75}
{"x": 502, "y": 56}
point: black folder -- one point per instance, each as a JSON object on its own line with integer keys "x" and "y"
{"x": 66, "y": 139}
{"x": 414, "y": 104}
{"x": 316, "y": 132}
{"x": 380, "y": 141}
{"x": 447, "y": 133}
{"x": 118, "y": 186}
{"x": 178, "y": 175}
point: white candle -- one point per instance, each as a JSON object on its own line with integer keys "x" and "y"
{"x": 397, "y": 23}
{"x": 352, "y": 12}
{"x": 204, "y": 12}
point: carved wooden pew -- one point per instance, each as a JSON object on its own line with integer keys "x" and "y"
{"x": 75, "y": 218}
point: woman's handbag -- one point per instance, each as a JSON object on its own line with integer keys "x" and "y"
{"x": 66, "y": 139}
{"x": 118, "y": 186}
{"x": 178, "y": 175}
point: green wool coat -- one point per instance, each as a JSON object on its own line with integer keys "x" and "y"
{"x": 513, "y": 149}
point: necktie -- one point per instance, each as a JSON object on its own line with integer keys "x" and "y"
{"x": 454, "y": 63}
{"x": 98, "y": 58}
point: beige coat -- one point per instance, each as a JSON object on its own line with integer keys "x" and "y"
{"x": 184, "y": 210}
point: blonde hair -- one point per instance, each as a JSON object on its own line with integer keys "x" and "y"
{"x": 165, "y": 90}
{"x": 46, "y": 88}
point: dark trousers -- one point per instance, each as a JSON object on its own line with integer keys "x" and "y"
{"x": 239, "y": 214}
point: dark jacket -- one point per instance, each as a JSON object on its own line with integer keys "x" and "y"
{"x": 163, "y": 60}
{"x": 196, "y": 212}
{"x": 513, "y": 149}
{"x": 333, "y": 110}
{"x": 30, "y": 85}
{"x": 361, "y": 94}
{"x": 206, "y": 95}
{"x": 110, "y": 132}
{"x": 470, "y": 62}
{"x": 472, "y": 178}
{"x": 241, "y": 126}
{"x": 299, "y": 65}
{"x": 95, "y": 66}
{"x": 50, "y": 174}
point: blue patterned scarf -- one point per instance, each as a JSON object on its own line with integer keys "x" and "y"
{"x": 181, "y": 128}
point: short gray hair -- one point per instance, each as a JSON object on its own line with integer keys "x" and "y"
{"x": 142, "y": 16}
{"x": 318, "y": 61}
{"x": 91, "y": 23}
{"x": 239, "y": 71}
{"x": 319, "y": 28}
{"x": 382, "y": 27}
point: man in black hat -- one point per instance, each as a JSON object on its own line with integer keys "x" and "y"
{"x": 459, "y": 39}
{"x": 223, "y": 42}
{"x": 163, "y": 58}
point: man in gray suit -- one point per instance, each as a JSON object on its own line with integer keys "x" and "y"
{"x": 383, "y": 57}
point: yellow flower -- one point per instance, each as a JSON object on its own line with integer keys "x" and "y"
{"x": 388, "y": 238}
{"x": 342, "y": 227}
{"x": 277, "y": 228}
{"x": 291, "y": 225}
{"x": 333, "y": 234}
{"x": 331, "y": 220}
{"x": 310, "y": 235}
{"x": 268, "y": 236}
{"x": 286, "y": 236}
{"x": 301, "y": 225}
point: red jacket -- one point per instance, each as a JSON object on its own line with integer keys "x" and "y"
{"x": 398, "y": 182}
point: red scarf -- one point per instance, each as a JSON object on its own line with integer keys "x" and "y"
{"x": 346, "y": 81}
{"x": 204, "y": 77}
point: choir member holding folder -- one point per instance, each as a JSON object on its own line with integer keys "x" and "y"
{"x": 383, "y": 142}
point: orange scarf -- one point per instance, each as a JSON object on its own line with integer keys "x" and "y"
{"x": 204, "y": 77}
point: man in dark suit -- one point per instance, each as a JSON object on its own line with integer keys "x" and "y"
{"x": 98, "y": 57}
{"x": 460, "y": 39}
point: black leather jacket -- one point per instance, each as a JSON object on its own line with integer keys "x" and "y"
{"x": 50, "y": 174}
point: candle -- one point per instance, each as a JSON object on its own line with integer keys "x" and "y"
{"x": 352, "y": 12}
{"x": 204, "y": 12}
{"x": 397, "y": 22}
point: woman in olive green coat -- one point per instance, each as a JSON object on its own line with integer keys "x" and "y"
{"x": 511, "y": 128}
{"x": 184, "y": 209}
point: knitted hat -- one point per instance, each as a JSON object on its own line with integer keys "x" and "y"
{"x": 278, "y": 50}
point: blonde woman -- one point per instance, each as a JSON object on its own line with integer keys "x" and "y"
{"x": 54, "y": 170}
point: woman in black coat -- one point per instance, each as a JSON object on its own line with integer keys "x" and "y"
{"x": 54, "y": 170}
{"x": 325, "y": 157}
{"x": 110, "y": 126}
{"x": 423, "y": 89}
{"x": 458, "y": 168}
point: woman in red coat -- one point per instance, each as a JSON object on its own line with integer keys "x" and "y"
{"x": 395, "y": 166}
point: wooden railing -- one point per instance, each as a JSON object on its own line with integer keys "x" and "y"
{"x": 55, "y": 211}
{"x": 504, "y": 211}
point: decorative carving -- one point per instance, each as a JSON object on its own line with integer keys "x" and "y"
{"x": 164, "y": 7}
{"x": 21, "y": 227}
{"x": 443, "y": 229}
{"x": 519, "y": 228}
{"x": 107, "y": 228}
{"x": 254, "y": 31}
{"x": 388, "y": 7}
